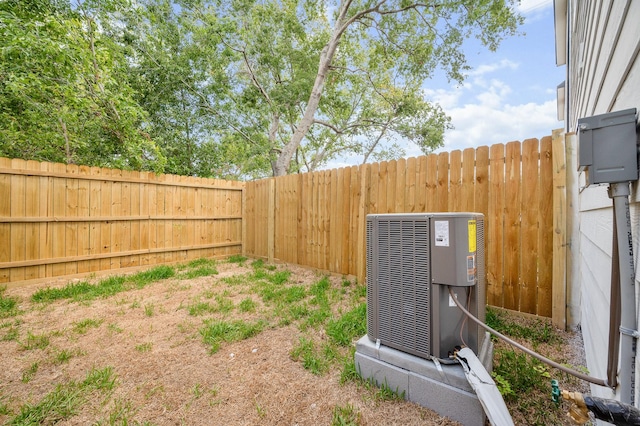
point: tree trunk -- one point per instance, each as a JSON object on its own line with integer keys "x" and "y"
{"x": 283, "y": 162}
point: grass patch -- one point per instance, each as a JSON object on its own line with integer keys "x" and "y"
{"x": 311, "y": 358}
{"x": 237, "y": 258}
{"x": 8, "y": 305}
{"x": 35, "y": 341}
{"x": 30, "y": 372}
{"x": 144, "y": 347}
{"x": 537, "y": 332}
{"x": 64, "y": 356}
{"x": 12, "y": 332}
{"x": 149, "y": 309}
{"x": 200, "y": 271}
{"x": 83, "y": 290}
{"x": 215, "y": 332}
{"x": 247, "y": 305}
{"x": 345, "y": 415}
{"x": 350, "y": 326}
{"x": 81, "y": 327}
{"x": 65, "y": 400}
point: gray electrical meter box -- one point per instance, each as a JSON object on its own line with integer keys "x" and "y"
{"x": 607, "y": 148}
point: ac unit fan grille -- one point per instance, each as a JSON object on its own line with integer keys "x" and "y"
{"x": 403, "y": 298}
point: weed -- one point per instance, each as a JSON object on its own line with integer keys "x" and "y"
{"x": 196, "y": 390}
{"x": 201, "y": 308}
{"x": 144, "y": 347}
{"x": 237, "y": 258}
{"x": 83, "y": 290}
{"x": 351, "y": 325}
{"x": 149, "y": 309}
{"x": 247, "y": 305}
{"x": 345, "y": 416}
{"x": 81, "y": 327}
{"x": 63, "y": 402}
{"x": 203, "y": 261}
{"x": 30, "y": 372}
{"x": 12, "y": 334}
{"x": 522, "y": 373}
{"x": 503, "y": 386}
{"x": 349, "y": 372}
{"x": 538, "y": 332}
{"x": 261, "y": 411}
{"x": 8, "y": 305}
{"x": 4, "y": 406}
{"x": 225, "y": 305}
{"x": 158, "y": 273}
{"x": 235, "y": 280}
{"x": 312, "y": 359}
{"x": 120, "y": 413}
{"x": 35, "y": 341}
{"x": 202, "y": 271}
{"x": 114, "y": 328}
{"x": 386, "y": 393}
{"x": 216, "y": 332}
{"x": 64, "y": 356}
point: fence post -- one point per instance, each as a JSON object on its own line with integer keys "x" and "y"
{"x": 271, "y": 221}
{"x": 559, "y": 298}
{"x": 361, "y": 268}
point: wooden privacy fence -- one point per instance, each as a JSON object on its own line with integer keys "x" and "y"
{"x": 317, "y": 219}
{"x": 58, "y": 219}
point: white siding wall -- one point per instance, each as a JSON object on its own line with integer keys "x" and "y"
{"x": 603, "y": 76}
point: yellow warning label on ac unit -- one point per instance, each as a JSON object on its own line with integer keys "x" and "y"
{"x": 472, "y": 236}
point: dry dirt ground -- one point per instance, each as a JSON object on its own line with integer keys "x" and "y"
{"x": 166, "y": 375}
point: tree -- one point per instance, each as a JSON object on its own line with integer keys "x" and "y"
{"x": 297, "y": 83}
{"x": 63, "y": 91}
{"x": 410, "y": 37}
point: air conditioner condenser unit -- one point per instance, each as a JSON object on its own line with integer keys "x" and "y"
{"x": 412, "y": 259}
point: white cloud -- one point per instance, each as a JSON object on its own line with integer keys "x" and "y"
{"x": 478, "y": 124}
{"x": 527, "y": 7}
{"x": 489, "y": 68}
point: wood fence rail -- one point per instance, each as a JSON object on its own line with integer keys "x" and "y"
{"x": 58, "y": 219}
{"x": 317, "y": 219}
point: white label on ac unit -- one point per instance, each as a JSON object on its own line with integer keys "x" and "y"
{"x": 442, "y": 233}
{"x": 451, "y": 302}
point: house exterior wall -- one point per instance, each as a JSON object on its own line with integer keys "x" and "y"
{"x": 603, "y": 75}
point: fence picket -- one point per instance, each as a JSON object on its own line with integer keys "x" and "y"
{"x": 66, "y": 219}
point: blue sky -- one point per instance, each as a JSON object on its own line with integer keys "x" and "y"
{"x": 509, "y": 94}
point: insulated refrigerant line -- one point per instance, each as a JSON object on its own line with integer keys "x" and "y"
{"x": 590, "y": 379}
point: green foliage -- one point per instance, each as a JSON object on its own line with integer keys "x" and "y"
{"x": 12, "y": 330}
{"x": 64, "y": 401}
{"x": 350, "y": 326}
{"x": 35, "y": 341}
{"x": 247, "y": 305}
{"x": 81, "y": 327}
{"x": 64, "y": 95}
{"x": 522, "y": 373}
{"x": 4, "y": 406}
{"x": 84, "y": 290}
{"x": 237, "y": 258}
{"x": 540, "y": 331}
{"x": 30, "y": 372}
{"x": 199, "y": 268}
{"x": 8, "y": 305}
{"x": 312, "y": 359}
{"x": 503, "y": 386}
{"x": 215, "y": 332}
{"x": 345, "y": 416}
{"x": 144, "y": 347}
{"x": 149, "y": 309}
